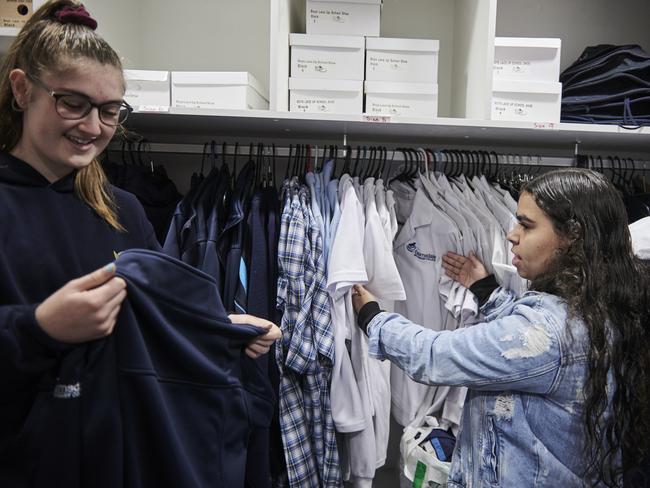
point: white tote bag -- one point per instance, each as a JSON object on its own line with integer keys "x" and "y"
{"x": 422, "y": 468}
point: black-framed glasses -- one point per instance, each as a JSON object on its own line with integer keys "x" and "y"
{"x": 75, "y": 106}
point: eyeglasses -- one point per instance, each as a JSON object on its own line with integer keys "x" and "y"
{"x": 75, "y": 106}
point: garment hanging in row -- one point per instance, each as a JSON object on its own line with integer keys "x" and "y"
{"x": 358, "y": 223}
{"x": 229, "y": 232}
{"x": 364, "y": 225}
{"x": 306, "y": 352}
{"x": 153, "y": 188}
{"x": 440, "y": 216}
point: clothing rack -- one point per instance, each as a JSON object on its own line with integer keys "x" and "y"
{"x": 394, "y": 154}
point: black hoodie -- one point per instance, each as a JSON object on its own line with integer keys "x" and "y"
{"x": 48, "y": 237}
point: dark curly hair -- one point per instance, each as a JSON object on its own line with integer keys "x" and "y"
{"x": 606, "y": 286}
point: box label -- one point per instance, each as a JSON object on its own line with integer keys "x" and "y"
{"x": 338, "y": 16}
{"x": 195, "y": 103}
{"x": 315, "y": 104}
{"x": 15, "y": 13}
{"x": 152, "y": 108}
{"x": 389, "y": 108}
{"x": 510, "y": 66}
{"x": 520, "y": 109}
{"x": 386, "y": 63}
{"x": 316, "y": 65}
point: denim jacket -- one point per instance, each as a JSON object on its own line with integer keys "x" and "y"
{"x": 522, "y": 421}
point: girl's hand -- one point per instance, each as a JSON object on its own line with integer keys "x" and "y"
{"x": 261, "y": 344}
{"x": 83, "y": 309}
{"x": 361, "y": 296}
{"x": 464, "y": 270}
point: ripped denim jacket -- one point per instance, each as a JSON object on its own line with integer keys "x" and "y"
{"x": 522, "y": 420}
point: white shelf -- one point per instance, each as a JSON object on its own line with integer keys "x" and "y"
{"x": 182, "y": 125}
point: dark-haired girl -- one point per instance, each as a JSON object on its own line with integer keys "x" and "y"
{"x": 558, "y": 377}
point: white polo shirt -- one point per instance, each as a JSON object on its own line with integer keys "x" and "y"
{"x": 426, "y": 235}
{"x": 385, "y": 283}
{"x": 346, "y": 268}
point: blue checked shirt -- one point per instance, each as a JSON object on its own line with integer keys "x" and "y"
{"x": 306, "y": 356}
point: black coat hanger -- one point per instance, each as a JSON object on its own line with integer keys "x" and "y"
{"x": 271, "y": 168}
{"x": 381, "y": 162}
{"x": 372, "y": 163}
{"x": 224, "y": 151}
{"x": 288, "y": 168}
{"x": 348, "y": 158}
{"x": 356, "y": 162}
{"x": 389, "y": 166}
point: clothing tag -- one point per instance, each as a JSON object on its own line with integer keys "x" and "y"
{"x": 377, "y": 118}
{"x": 420, "y": 471}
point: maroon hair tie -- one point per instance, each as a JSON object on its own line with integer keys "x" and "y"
{"x": 76, "y": 15}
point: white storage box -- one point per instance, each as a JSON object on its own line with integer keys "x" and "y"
{"x": 526, "y": 101}
{"x": 15, "y": 13}
{"x": 236, "y": 90}
{"x": 343, "y": 17}
{"x": 147, "y": 88}
{"x": 401, "y": 99}
{"x": 403, "y": 60}
{"x": 325, "y": 96}
{"x": 327, "y": 57}
{"x": 527, "y": 59}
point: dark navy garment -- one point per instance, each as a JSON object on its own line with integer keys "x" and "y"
{"x": 197, "y": 224}
{"x": 160, "y": 402}
{"x": 153, "y": 188}
{"x": 258, "y": 471}
{"x": 233, "y": 241}
{"x": 48, "y": 237}
{"x": 186, "y": 416}
{"x": 272, "y": 223}
{"x": 214, "y": 238}
{"x": 607, "y": 84}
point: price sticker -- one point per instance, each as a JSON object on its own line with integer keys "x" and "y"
{"x": 546, "y": 126}
{"x": 377, "y": 118}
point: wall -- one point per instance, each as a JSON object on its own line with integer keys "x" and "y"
{"x": 201, "y": 35}
{"x": 118, "y": 22}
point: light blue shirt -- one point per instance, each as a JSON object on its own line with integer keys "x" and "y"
{"x": 522, "y": 421}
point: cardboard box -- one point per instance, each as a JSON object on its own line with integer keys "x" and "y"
{"x": 325, "y": 96}
{"x": 343, "y": 18}
{"x": 327, "y": 57}
{"x": 527, "y": 59}
{"x": 236, "y": 90}
{"x": 401, "y": 99}
{"x": 147, "y": 88}
{"x": 402, "y": 60}
{"x": 526, "y": 101}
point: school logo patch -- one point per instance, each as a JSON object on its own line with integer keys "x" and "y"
{"x": 413, "y": 249}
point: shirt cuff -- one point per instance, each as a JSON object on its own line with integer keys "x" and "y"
{"x": 483, "y": 288}
{"x": 366, "y": 314}
{"x": 30, "y": 325}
